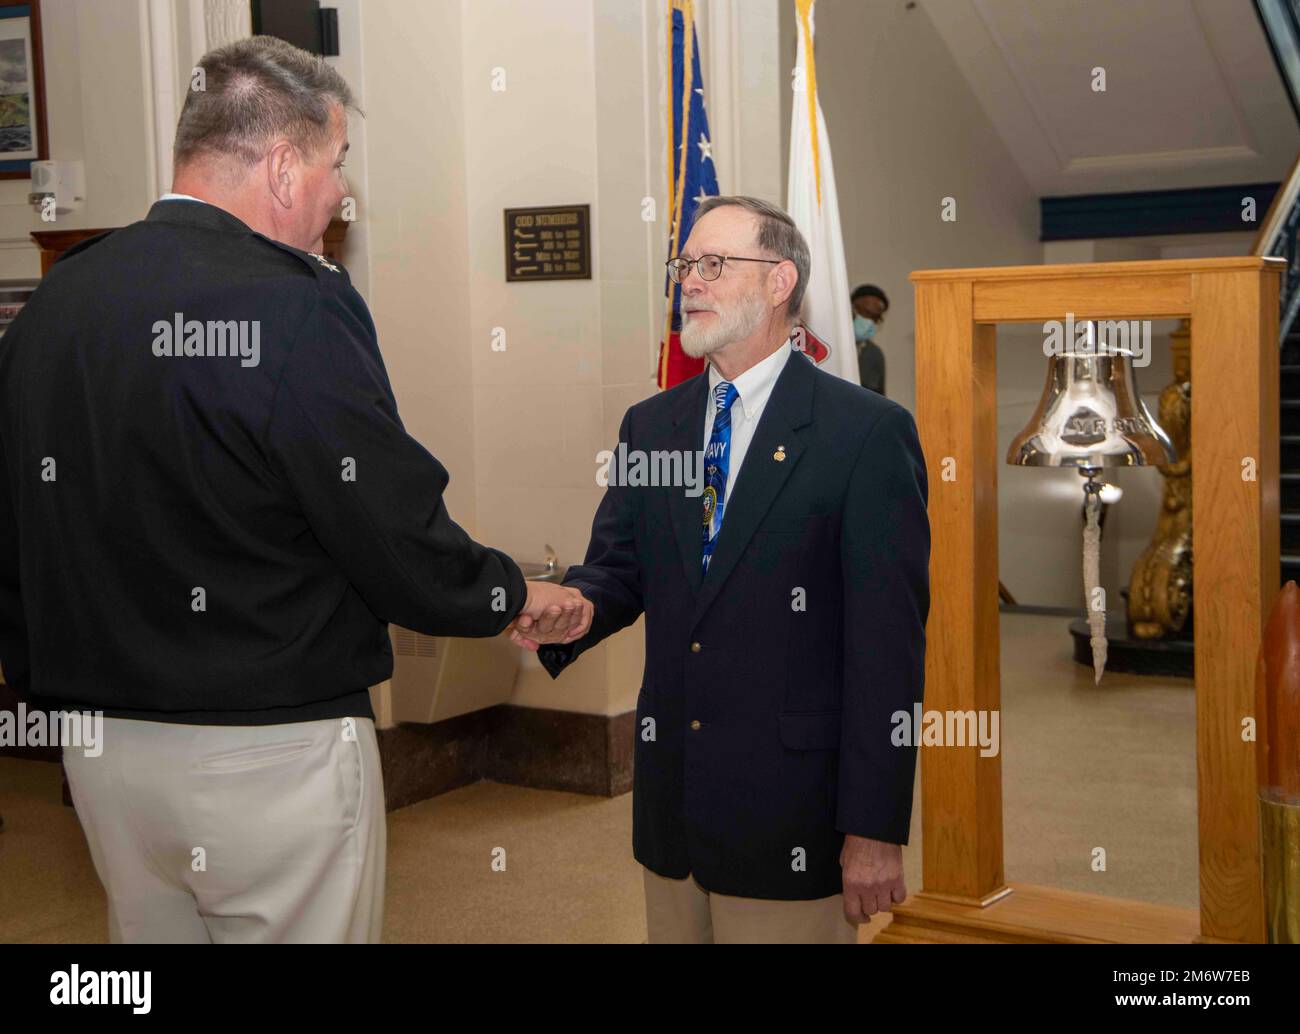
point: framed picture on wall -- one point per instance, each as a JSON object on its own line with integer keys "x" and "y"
{"x": 22, "y": 89}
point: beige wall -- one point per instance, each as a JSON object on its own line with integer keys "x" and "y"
{"x": 579, "y": 121}
{"x": 568, "y": 128}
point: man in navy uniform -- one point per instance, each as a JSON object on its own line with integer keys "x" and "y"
{"x": 784, "y": 607}
{"x": 209, "y": 513}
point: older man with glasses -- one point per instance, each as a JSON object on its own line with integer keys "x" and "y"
{"x": 784, "y": 607}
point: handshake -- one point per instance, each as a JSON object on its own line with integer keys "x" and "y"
{"x": 552, "y": 614}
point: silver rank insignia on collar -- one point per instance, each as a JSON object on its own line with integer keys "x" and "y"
{"x": 324, "y": 262}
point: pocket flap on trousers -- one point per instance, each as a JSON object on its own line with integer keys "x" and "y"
{"x": 818, "y": 730}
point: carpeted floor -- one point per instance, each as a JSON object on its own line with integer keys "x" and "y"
{"x": 1084, "y": 767}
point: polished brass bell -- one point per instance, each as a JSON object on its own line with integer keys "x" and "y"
{"x": 1091, "y": 415}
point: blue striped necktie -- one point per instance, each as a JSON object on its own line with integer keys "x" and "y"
{"x": 717, "y": 462}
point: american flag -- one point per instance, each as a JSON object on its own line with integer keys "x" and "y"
{"x": 691, "y": 175}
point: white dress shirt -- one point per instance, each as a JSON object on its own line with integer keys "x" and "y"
{"x": 169, "y": 196}
{"x": 753, "y": 388}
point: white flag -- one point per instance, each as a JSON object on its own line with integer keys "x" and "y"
{"x": 815, "y": 208}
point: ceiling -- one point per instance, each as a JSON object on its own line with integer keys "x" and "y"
{"x": 1192, "y": 95}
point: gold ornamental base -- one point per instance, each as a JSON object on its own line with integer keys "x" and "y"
{"x": 1279, "y": 830}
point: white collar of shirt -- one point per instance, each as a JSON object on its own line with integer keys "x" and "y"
{"x": 754, "y": 385}
{"x": 169, "y": 196}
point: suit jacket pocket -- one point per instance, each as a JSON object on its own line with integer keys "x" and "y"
{"x": 811, "y": 730}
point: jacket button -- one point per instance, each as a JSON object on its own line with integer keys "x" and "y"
{"x": 695, "y": 724}
{"x": 695, "y": 647}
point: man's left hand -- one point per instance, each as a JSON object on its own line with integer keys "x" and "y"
{"x": 873, "y": 877}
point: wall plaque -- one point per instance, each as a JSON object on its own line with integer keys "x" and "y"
{"x": 552, "y": 243}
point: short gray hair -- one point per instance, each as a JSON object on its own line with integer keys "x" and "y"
{"x": 777, "y": 235}
{"x": 254, "y": 91}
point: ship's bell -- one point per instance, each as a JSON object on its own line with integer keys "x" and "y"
{"x": 1091, "y": 414}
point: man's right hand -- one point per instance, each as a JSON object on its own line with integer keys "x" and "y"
{"x": 551, "y": 614}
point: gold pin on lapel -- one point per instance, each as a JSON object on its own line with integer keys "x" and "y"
{"x": 779, "y": 455}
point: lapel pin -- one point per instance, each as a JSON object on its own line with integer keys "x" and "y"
{"x": 779, "y": 455}
{"x": 324, "y": 262}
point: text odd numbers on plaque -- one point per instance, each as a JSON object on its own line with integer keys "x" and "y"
{"x": 552, "y": 243}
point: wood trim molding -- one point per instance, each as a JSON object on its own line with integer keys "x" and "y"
{"x": 1072, "y": 270}
{"x": 54, "y": 243}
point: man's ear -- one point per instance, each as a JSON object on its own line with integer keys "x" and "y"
{"x": 784, "y": 277}
{"x": 282, "y": 171}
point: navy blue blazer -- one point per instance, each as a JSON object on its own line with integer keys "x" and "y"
{"x": 764, "y": 716}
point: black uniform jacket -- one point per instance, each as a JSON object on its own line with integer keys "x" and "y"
{"x": 198, "y": 537}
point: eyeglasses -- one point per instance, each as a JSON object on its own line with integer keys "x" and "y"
{"x": 708, "y": 266}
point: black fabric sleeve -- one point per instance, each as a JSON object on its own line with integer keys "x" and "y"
{"x": 371, "y": 493}
{"x": 885, "y": 552}
{"x": 610, "y": 576}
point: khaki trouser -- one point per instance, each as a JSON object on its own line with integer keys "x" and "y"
{"x": 209, "y": 833}
{"x": 683, "y": 912}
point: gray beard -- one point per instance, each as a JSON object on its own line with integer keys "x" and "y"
{"x": 730, "y": 325}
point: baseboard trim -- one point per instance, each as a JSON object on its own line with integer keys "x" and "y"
{"x": 521, "y": 746}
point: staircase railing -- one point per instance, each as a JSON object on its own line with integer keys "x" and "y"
{"x": 1277, "y": 234}
{"x": 1277, "y": 238}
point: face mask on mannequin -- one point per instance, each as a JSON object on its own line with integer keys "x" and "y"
{"x": 864, "y": 329}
